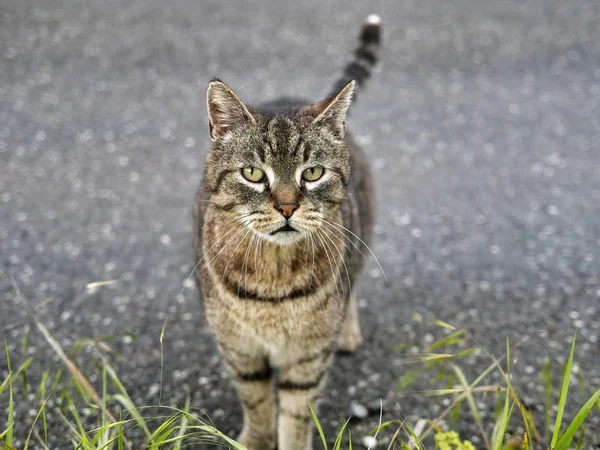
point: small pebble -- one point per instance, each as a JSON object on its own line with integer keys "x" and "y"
{"x": 369, "y": 442}
{"x": 357, "y": 410}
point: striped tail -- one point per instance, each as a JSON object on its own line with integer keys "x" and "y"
{"x": 365, "y": 56}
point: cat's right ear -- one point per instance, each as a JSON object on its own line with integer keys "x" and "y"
{"x": 226, "y": 112}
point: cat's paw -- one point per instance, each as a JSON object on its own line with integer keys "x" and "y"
{"x": 254, "y": 443}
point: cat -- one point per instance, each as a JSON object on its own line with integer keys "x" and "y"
{"x": 283, "y": 223}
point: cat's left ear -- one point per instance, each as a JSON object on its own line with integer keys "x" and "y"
{"x": 226, "y": 112}
{"x": 332, "y": 111}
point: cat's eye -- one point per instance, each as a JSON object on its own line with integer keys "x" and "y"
{"x": 313, "y": 173}
{"x": 253, "y": 174}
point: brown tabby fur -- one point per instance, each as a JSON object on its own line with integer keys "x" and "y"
{"x": 282, "y": 300}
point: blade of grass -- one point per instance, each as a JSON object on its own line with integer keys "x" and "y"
{"x": 546, "y": 377}
{"x": 562, "y": 400}
{"x": 56, "y": 381}
{"x": 25, "y": 343}
{"x": 106, "y": 436}
{"x": 498, "y": 407}
{"x": 41, "y": 392}
{"x": 441, "y": 323}
{"x": 4, "y": 433}
{"x": 378, "y": 425}
{"x": 45, "y": 422}
{"x": 120, "y": 432}
{"x": 214, "y": 433}
{"x": 4, "y": 384}
{"x": 384, "y": 425}
{"x": 162, "y": 337}
{"x": 107, "y": 433}
{"x": 408, "y": 379}
{"x": 80, "y": 379}
{"x": 394, "y": 437}
{"x": 425, "y": 358}
{"x": 452, "y": 339}
{"x": 527, "y": 423}
{"x": 349, "y": 439}
{"x": 498, "y": 436}
{"x": 42, "y": 408}
{"x": 80, "y": 433}
{"x": 184, "y": 422}
{"x": 472, "y": 405}
{"x": 581, "y": 438}
{"x": 162, "y": 433}
{"x": 72, "y": 429}
{"x": 43, "y": 444}
{"x": 11, "y": 412}
{"x": 318, "y": 425}
{"x": 479, "y": 379}
{"x": 565, "y": 441}
{"x": 126, "y": 402}
{"x": 414, "y": 440}
{"x": 75, "y": 372}
{"x": 128, "y": 406}
{"x": 338, "y": 440}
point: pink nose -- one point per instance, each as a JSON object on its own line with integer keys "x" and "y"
{"x": 287, "y": 209}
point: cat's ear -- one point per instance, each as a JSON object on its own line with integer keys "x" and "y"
{"x": 226, "y": 112}
{"x": 332, "y": 111}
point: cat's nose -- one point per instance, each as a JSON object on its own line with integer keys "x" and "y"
{"x": 287, "y": 209}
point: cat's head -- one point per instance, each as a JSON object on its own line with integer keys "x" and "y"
{"x": 281, "y": 175}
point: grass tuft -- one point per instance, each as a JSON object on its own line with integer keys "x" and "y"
{"x": 563, "y": 395}
{"x": 116, "y": 419}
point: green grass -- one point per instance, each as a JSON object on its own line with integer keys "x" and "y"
{"x": 120, "y": 424}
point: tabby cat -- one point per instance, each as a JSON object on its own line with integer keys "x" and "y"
{"x": 284, "y": 218}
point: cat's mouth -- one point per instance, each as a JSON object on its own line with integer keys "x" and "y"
{"x": 286, "y": 228}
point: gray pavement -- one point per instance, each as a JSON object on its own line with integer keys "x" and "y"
{"x": 482, "y": 126}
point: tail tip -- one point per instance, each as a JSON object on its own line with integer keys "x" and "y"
{"x": 371, "y": 30}
{"x": 373, "y": 19}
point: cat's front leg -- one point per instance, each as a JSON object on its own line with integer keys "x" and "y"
{"x": 253, "y": 381}
{"x": 299, "y": 385}
{"x": 350, "y": 336}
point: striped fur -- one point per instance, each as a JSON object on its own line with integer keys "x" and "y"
{"x": 281, "y": 300}
{"x": 366, "y": 55}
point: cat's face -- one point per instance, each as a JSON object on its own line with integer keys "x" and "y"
{"x": 281, "y": 176}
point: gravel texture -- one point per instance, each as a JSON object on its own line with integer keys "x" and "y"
{"x": 482, "y": 126}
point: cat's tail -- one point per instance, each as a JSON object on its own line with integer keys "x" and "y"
{"x": 366, "y": 55}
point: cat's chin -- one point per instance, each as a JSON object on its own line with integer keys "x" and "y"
{"x": 284, "y": 237}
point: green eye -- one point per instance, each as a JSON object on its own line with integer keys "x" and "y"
{"x": 313, "y": 173}
{"x": 253, "y": 174}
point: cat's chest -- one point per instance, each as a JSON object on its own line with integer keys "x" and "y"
{"x": 278, "y": 323}
{"x": 261, "y": 272}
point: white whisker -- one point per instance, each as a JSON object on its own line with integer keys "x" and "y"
{"x": 233, "y": 253}
{"x": 312, "y": 269}
{"x": 335, "y": 278}
{"x": 227, "y": 244}
{"x": 244, "y": 262}
{"x": 187, "y": 280}
{"x": 343, "y": 261}
{"x": 363, "y": 242}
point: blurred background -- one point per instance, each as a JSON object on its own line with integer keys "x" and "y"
{"x": 482, "y": 125}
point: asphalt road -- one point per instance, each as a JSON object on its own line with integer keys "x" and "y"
{"x": 482, "y": 126}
